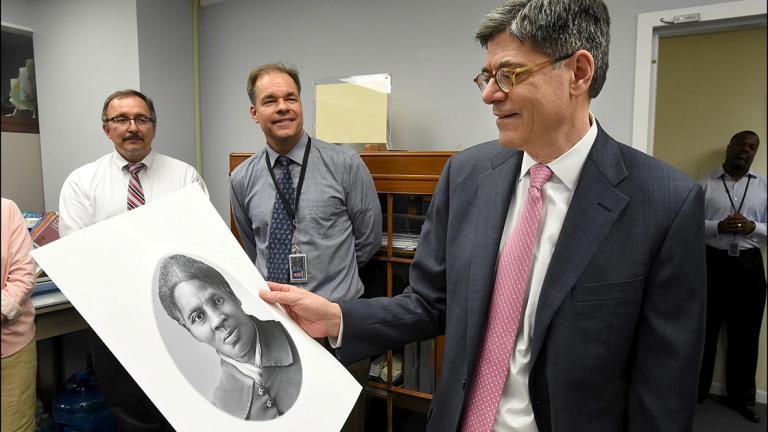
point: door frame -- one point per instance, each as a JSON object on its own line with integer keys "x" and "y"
{"x": 650, "y": 26}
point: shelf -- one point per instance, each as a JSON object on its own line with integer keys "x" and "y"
{"x": 378, "y": 385}
{"x": 381, "y": 256}
{"x": 376, "y": 389}
{"x": 19, "y": 124}
{"x": 413, "y": 393}
{"x": 405, "y": 182}
{"x": 411, "y": 403}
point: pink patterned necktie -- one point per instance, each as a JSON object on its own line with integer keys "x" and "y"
{"x": 135, "y": 192}
{"x": 506, "y": 311}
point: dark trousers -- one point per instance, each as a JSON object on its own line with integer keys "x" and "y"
{"x": 132, "y": 408}
{"x": 359, "y": 370}
{"x": 736, "y": 293}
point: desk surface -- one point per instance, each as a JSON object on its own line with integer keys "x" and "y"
{"x": 54, "y": 315}
{"x": 50, "y": 301}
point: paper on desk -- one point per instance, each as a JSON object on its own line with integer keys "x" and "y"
{"x": 108, "y": 272}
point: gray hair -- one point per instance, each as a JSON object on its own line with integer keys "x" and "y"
{"x": 175, "y": 269}
{"x": 555, "y": 28}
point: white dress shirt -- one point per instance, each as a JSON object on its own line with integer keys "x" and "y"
{"x": 717, "y": 206}
{"x": 98, "y": 190}
{"x": 515, "y": 412}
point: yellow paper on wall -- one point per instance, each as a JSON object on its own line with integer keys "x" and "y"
{"x": 350, "y": 114}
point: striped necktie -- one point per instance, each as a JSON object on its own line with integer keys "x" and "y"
{"x": 506, "y": 310}
{"x": 135, "y": 192}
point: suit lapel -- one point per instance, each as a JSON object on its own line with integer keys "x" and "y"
{"x": 595, "y": 206}
{"x": 495, "y": 189}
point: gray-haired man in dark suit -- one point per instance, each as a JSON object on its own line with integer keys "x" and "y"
{"x": 610, "y": 333}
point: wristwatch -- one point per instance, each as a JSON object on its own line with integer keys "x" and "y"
{"x": 754, "y": 227}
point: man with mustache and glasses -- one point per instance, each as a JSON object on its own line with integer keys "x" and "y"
{"x": 735, "y": 224}
{"x": 128, "y": 177}
{"x": 260, "y": 367}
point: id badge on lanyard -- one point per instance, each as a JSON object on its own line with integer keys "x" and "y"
{"x": 297, "y": 264}
{"x": 297, "y": 261}
{"x": 733, "y": 248}
{"x": 733, "y": 245}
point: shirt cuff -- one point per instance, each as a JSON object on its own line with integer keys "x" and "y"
{"x": 760, "y": 230}
{"x": 710, "y": 229}
{"x": 11, "y": 309}
{"x": 336, "y": 341}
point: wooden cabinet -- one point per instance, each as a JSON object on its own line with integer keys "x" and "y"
{"x": 405, "y": 182}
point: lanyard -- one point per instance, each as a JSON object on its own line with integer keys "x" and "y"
{"x": 290, "y": 209}
{"x": 742, "y": 197}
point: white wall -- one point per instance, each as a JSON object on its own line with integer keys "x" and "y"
{"x": 166, "y": 61}
{"x": 426, "y": 45}
{"x": 78, "y": 45}
{"x": 20, "y": 170}
{"x": 87, "y": 49}
{"x": 84, "y": 50}
{"x": 16, "y": 12}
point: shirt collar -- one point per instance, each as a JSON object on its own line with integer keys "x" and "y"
{"x": 120, "y": 161}
{"x": 720, "y": 173}
{"x": 296, "y": 154}
{"x": 567, "y": 167}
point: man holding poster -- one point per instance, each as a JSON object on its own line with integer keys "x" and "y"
{"x": 565, "y": 269}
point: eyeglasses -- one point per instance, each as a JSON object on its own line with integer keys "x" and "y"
{"x": 506, "y": 78}
{"x": 124, "y": 122}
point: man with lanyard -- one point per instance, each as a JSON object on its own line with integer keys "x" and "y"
{"x": 325, "y": 218}
{"x": 736, "y": 289}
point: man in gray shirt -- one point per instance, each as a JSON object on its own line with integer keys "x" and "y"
{"x": 307, "y": 211}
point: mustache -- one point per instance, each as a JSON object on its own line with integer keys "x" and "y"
{"x": 133, "y": 137}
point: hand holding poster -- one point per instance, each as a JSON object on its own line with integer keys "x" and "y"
{"x": 175, "y": 298}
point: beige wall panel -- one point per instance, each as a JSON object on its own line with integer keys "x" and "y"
{"x": 711, "y": 86}
{"x": 21, "y": 170}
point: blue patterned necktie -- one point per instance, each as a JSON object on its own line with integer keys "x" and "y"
{"x": 281, "y": 227}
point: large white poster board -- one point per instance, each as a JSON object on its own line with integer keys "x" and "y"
{"x": 112, "y": 273}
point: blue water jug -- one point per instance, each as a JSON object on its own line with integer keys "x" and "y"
{"x": 43, "y": 421}
{"x": 81, "y": 408}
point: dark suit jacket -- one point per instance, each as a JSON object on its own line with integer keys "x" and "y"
{"x": 239, "y": 395}
{"x": 619, "y": 327}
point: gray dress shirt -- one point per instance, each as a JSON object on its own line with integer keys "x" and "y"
{"x": 338, "y": 225}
